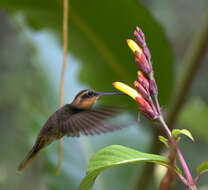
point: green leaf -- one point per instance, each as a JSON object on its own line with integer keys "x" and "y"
{"x": 116, "y": 155}
{"x": 177, "y": 132}
{"x": 97, "y": 37}
{"x": 164, "y": 141}
{"x": 202, "y": 168}
{"x": 195, "y": 116}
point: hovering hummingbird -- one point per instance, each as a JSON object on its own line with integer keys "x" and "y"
{"x": 72, "y": 120}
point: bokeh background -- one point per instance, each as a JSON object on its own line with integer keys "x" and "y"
{"x": 30, "y": 67}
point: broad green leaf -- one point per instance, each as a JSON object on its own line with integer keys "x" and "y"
{"x": 116, "y": 155}
{"x": 177, "y": 132}
{"x": 97, "y": 37}
{"x": 202, "y": 168}
{"x": 164, "y": 141}
{"x": 195, "y": 117}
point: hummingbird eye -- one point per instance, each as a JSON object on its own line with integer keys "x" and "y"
{"x": 90, "y": 93}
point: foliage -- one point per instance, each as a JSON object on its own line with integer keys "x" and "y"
{"x": 164, "y": 141}
{"x": 97, "y": 35}
{"x": 116, "y": 155}
{"x": 177, "y": 132}
{"x": 202, "y": 168}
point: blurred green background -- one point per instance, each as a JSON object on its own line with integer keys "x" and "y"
{"x": 30, "y": 67}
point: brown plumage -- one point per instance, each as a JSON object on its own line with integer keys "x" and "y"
{"x": 73, "y": 120}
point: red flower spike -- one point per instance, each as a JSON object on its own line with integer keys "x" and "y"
{"x": 153, "y": 87}
{"x": 143, "y": 64}
{"x": 141, "y": 34}
{"x": 143, "y": 80}
{"x": 150, "y": 115}
{"x": 142, "y": 58}
{"x": 145, "y": 94}
{"x": 138, "y": 39}
{"x": 147, "y": 53}
{"x": 144, "y": 104}
{"x": 140, "y": 55}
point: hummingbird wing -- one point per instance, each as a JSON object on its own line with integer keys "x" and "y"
{"x": 90, "y": 122}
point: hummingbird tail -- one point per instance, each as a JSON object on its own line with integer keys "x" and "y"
{"x": 39, "y": 145}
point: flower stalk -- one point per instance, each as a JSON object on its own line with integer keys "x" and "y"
{"x": 180, "y": 156}
{"x": 147, "y": 91}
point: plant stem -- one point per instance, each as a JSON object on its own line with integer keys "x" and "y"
{"x": 152, "y": 105}
{"x": 180, "y": 156}
{"x": 157, "y": 104}
{"x": 170, "y": 175}
{"x": 61, "y": 86}
{"x": 185, "y": 167}
{"x": 167, "y": 130}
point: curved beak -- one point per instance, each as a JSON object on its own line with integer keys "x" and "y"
{"x": 110, "y": 93}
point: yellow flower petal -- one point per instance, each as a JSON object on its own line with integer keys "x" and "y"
{"x": 139, "y": 73}
{"x": 126, "y": 89}
{"x": 133, "y": 46}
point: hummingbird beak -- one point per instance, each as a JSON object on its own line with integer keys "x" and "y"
{"x": 110, "y": 93}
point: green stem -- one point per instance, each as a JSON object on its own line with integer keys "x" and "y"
{"x": 61, "y": 86}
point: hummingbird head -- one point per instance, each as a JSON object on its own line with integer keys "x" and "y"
{"x": 86, "y": 98}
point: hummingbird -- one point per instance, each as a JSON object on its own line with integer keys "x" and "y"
{"x": 73, "y": 120}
